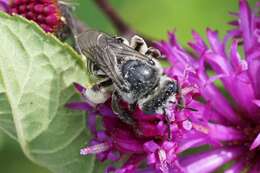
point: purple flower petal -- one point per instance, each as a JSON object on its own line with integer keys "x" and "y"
{"x": 216, "y": 45}
{"x": 254, "y": 73}
{"x": 91, "y": 122}
{"x": 235, "y": 84}
{"x": 173, "y": 40}
{"x": 102, "y": 136}
{"x": 256, "y": 102}
{"x": 256, "y": 142}
{"x": 133, "y": 161}
{"x": 125, "y": 142}
{"x": 101, "y": 156}
{"x": 246, "y": 24}
{"x": 224, "y": 133}
{"x": 175, "y": 54}
{"x": 149, "y": 129}
{"x": 219, "y": 64}
{"x": 167, "y": 145}
{"x": 238, "y": 64}
{"x": 113, "y": 156}
{"x": 151, "y": 146}
{"x": 151, "y": 159}
{"x": 198, "y": 45}
{"x": 205, "y": 111}
{"x": 193, "y": 139}
{"x": 208, "y": 161}
{"x": 79, "y": 106}
{"x": 217, "y": 100}
{"x": 104, "y": 110}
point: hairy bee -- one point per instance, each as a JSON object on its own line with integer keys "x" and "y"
{"x": 130, "y": 73}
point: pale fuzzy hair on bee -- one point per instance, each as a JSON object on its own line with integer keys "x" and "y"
{"x": 96, "y": 97}
{"x": 124, "y": 40}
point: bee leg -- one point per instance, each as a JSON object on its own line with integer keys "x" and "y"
{"x": 168, "y": 121}
{"x": 121, "y": 113}
{"x": 138, "y": 44}
{"x": 180, "y": 102}
{"x": 132, "y": 107}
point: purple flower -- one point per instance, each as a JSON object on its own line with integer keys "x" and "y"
{"x": 231, "y": 119}
{"x": 146, "y": 143}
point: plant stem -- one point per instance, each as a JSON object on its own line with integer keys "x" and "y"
{"x": 113, "y": 16}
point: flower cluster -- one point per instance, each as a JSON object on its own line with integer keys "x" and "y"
{"x": 44, "y": 12}
{"x": 232, "y": 119}
{"x": 148, "y": 141}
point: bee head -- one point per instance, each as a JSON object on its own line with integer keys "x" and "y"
{"x": 162, "y": 97}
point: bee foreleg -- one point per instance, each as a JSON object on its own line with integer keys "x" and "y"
{"x": 121, "y": 113}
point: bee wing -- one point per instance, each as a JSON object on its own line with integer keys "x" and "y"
{"x": 122, "y": 50}
{"x": 96, "y": 47}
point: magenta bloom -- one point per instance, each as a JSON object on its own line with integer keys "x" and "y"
{"x": 147, "y": 143}
{"x": 230, "y": 118}
{"x": 44, "y": 12}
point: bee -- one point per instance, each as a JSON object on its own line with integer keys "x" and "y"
{"x": 130, "y": 72}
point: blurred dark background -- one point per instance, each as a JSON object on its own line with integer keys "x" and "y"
{"x": 150, "y": 17}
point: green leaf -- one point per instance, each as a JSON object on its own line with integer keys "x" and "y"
{"x": 36, "y": 76}
{"x": 6, "y": 119}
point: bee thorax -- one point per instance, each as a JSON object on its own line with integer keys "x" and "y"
{"x": 140, "y": 77}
